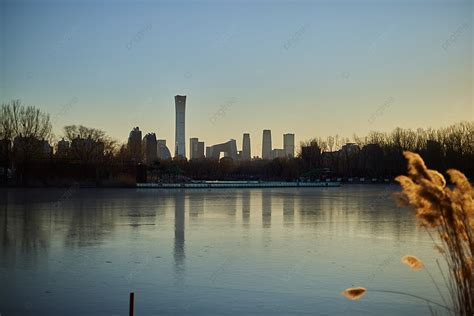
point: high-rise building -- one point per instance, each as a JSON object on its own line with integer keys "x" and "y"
{"x": 196, "y": 148}
{"x": 193, "y": 147}
{"x": 267, "y": 144}
{"x": 149, "y": 146}
{"x": 200, "y": 150}
{"x": 246, "y": 154}
{"x": 180, "y": 106}
{"x": 278, "y": 153}
{"x": 162, "y": 150}
{"x": 229, "y": 149}
{"x": 135, "y": 144}
{"x": 289, "y": 145}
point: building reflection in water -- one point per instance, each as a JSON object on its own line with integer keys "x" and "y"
{"x": 196, "y": 205}
{"x": 179, "y": 255}
{"x": 288, "y": 210}
{"x": 266, "y": 197}
{"x": 23, "y": 231}
{"x": 245, "y": 206}
{"x": 266, "y": 208}
{"x": 92, "y": 219}
{"x": 231, "y": 203}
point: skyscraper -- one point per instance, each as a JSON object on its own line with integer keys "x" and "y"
{"x": 162, "y": 150}
{"x": 267, "y": 144}
{"x": 135, "y": 144}
{"x": 228, "y": 148}
{"x": 200, "y": 150}
{"x": 180, "y": 142}
{"x": 149, "y": 145}
{"x": 289, "y": 145}
{"x": 196, "y": 148}
{"x": 193, "y": 147}
{"x": 246, "y": 147}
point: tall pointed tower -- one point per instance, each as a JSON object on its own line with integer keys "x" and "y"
{"x": 180, "y": 141}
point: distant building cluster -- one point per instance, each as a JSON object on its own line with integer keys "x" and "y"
{"x": 88, "y": 154}
{"x": 146, "y": 149}
{"x": 32, "y": 148}
{"x": 24, "y": 146}
{"x": 80, "y": 148}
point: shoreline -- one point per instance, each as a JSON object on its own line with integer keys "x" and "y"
{"x": 237, "y": 184}
{"x": 270, "y": 184}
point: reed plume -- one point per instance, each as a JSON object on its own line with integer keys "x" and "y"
{"x": 450, "y": 213}
{"x": 354, "y": 293}
{"x": 413, "y": 262}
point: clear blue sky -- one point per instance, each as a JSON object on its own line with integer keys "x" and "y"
{"x": 313, "y": 68}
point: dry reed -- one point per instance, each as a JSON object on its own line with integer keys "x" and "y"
{"x": 413, "y": 262}
{"x": 354, "y": 293}
{"x": 450, "y": 213}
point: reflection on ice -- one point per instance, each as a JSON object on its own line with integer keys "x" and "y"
{"x": 247, "y": 251}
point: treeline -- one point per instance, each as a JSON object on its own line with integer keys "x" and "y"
{"x": 28, "y": 158}
{"x": 89, "y": 156}
{"x": 377, "y": 155}
{"x": 380, "y": 154}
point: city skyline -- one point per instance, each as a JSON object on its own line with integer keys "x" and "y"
{"x": 150, "y": 148}
{"x": 139, "y": 150}
{"x": 311, "y": 68}
{"x": 237, "y": 157}
{"x": 141, "y": 147}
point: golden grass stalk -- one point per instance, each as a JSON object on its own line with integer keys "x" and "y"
{"x": 450, "y": 213}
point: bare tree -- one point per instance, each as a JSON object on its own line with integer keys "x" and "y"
{"x": 87, "y": 141}
{"x": 26, "y": 121}
{"x": 27, "y": 128}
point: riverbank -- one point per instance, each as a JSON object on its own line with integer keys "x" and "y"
{"x": 208, "y": 184}
{"x": 237, "y": 184}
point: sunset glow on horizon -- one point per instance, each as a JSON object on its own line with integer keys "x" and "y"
{"x": 311, "y": 69}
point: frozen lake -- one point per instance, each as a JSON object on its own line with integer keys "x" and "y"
{"x": 202, "y": 252}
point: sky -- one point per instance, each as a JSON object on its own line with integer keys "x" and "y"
{"x": 312, "y": 68}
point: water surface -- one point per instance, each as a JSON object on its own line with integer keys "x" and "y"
{"x": 203, "y": 252}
